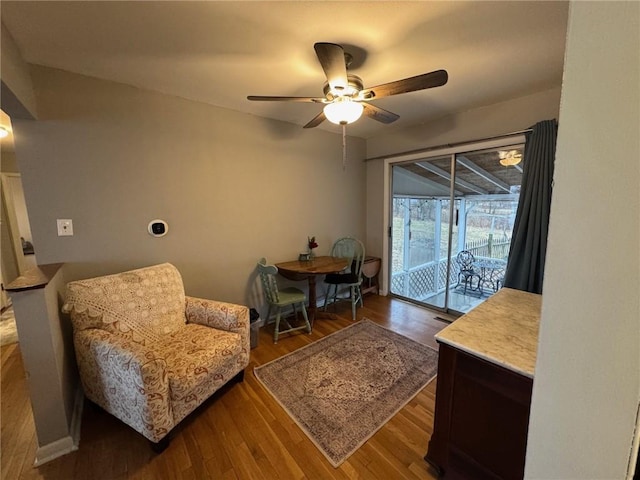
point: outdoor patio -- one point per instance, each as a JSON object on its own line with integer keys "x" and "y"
{"x": 423, "y": 285}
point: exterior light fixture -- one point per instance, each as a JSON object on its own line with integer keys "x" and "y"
{"x": 510, "y": 158}
{"x": 343, "y": 110}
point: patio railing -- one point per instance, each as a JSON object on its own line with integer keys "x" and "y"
{"x": 421, "y": 281}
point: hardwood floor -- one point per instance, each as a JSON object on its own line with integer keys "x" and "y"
{"x": 239, "y": 433}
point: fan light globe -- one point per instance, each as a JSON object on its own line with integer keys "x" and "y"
{"x": 343, "y": 111}
{"x": 512, "y": 157}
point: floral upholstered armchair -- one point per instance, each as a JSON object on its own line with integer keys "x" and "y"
{"x": 147, "y": 353}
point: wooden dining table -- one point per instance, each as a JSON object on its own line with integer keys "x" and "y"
{"x": 309, "y": 270}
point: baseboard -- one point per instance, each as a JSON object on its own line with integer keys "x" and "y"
{"x": 53, "y": 450}
{"x": 67, "y": 444}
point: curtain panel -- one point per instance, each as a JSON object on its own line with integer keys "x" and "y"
{"x": 525, "y": 270}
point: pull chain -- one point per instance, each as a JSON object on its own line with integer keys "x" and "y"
{"x": 344, "y": 147}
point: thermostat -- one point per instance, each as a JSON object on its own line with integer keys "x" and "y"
{"x": 158, "y": 228}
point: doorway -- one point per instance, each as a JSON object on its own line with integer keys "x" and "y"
{"x": 451, "y": 222}
{"x": 17, "y": 254}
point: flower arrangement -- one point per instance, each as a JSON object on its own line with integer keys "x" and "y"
{"x": 311, "y": 244}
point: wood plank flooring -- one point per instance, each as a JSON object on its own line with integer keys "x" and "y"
{"x": 240, "y": 433}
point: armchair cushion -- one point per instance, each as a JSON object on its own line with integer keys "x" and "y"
{"x": 138, "y": 357}
{"x": 199, "y": 360}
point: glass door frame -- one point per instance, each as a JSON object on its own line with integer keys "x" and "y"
{"x": 452, "y": 205}
{"x": 425, "y": 155}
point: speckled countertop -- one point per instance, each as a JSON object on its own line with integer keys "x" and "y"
{"x": 503, "y": 330}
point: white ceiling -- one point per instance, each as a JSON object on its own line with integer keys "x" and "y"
{"x": 220, "y": 52}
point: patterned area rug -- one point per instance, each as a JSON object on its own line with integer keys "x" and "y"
{"x": 341, "y": 389}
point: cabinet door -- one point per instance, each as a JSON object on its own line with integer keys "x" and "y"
{"x": 482, "y": 417}
{"x": 489, "y": 420}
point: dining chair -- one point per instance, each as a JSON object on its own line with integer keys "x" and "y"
{"x": 351, "y": 278}
{"x": 281, "y": 298}
{"x": 466, "y": 270}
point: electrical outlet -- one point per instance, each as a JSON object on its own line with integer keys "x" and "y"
{"x": 65, "y": 227}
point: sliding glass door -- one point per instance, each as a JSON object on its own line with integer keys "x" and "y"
{"x": 451, "y": 223}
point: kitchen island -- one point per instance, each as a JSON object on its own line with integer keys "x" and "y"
{"x": 485, "y": 375}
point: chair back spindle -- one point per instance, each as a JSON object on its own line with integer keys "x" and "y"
{"x": 268, "y": 278}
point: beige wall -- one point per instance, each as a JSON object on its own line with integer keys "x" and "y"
{"x": 587, "y": 384}
{"x": 17, "y": 91}
{"x": 8, "y": 162}
{"x": 232, "y": 187}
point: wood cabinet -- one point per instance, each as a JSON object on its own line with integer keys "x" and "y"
{"x": 481, "y": 419}
{"x": 485, "y": 378}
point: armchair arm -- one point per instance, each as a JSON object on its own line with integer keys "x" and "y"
{"x": 220, "y": 315}
{"x": 126, "y": 379}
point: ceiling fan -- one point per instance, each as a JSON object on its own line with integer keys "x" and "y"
{"x": 345, "y": 97}
{"x": 510, "y": 158}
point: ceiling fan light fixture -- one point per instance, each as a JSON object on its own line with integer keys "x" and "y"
{"x": 510, "y": 158}
{"x": 343, "y": 111}
{"x": 345, "y": 97}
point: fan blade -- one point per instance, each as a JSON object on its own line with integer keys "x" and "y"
{"x": 331, "y": 57}
{"x": 317, "y": 120}
{"x": 412, "y": 84}
{"x": 286, "y": 99}
{"x": 379, "y": 114}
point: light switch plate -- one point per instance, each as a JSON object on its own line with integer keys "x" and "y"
{"x": 65, "y": 227}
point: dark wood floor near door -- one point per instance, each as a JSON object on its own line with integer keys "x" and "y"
{"x": 241, "y": 433}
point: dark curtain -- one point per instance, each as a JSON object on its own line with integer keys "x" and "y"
{"x": 525, "y": 269}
